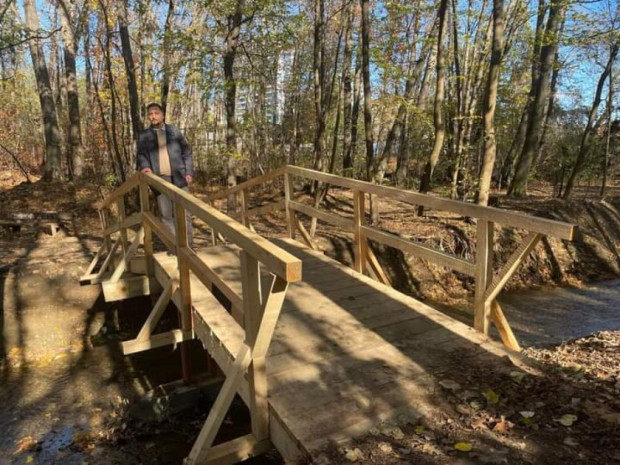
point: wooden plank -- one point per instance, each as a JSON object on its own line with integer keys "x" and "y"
{"x": 544, "y": 226}
{"x": 343, "y": 223}
{"x": 128, "y": 287}
{"x": 157, "y": 340}
{"x": 504, "y": 329}
{"x": 509, "y": 268}
{"x": 484, "y": 273}
{"x": 109, "y": 259}
{"x": 435, "y": 256}
{"x": 237, "y": 450}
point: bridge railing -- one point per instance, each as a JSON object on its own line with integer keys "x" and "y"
{"x": 260, "y": 312}
{"x": 487, "y": 284}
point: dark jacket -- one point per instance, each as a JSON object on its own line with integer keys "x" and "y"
{"x": 181, "y": 161}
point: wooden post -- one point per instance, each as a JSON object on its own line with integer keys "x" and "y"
{"x": 257, "y": 377}
{"x": 120, "y": 206}
{"x": 145, "y": 207}
{"x": 105, "y": 223}
{"x": 184, "y": 285}
{"x": 290, "y": 213}
{"x": 359, "y": 240}
{"x": 244, "y": 208}
{"x": 484, "y": 274}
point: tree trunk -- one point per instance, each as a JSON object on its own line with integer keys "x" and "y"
{"x": 51, "y": 168}
{"x": 440, "y": 130}
{"x": 490, "y": 101}
{"x": 584, "y": 148}
{"x": 130, "y": 69}
{"x": 347, "y": 159}
{"x": 366, "y": 78}
{"x": 166, "y": 71}
{"x": 69, "y": 37}
{"x": 610, "y": 106}
{"x": 318, "y": 72}
{"x": 518, "y": 186}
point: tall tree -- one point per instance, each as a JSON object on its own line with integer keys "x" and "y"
{"x": 542, "y": 87}
{"x": 71, "y": 25}
{"x": 130, "y": 69}
{"x": 585, "y": 146}
{"x": 440, "y": 129}
{"x": 366, "y": 79}
{"x": 490, "y": 100}
{"x": 51, "y": 169}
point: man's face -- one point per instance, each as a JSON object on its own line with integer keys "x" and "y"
{"x": 156, "y": 116}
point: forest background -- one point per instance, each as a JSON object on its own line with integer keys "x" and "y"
{"x": 469, "y": 95}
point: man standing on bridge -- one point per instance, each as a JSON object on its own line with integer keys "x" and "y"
{"x": 163, "y": 150}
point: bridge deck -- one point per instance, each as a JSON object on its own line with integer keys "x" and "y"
{"x": 347, "y": 353}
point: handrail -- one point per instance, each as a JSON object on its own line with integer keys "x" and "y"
{"x": 127, "y": 186}
{"x": 496, "y": 215}
{"x": 248, "y": 184}
{"x": 278, "y": 261}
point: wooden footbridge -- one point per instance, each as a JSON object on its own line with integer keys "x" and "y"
{"x": 317, "y": 355}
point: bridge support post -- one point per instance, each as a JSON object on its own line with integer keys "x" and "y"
{"x": 184, "y": 285}
{"x": 484, "y": 273}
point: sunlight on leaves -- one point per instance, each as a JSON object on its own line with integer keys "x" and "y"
{"x": 463, "y": 446}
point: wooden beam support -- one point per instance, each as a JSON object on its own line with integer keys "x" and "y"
{"x": 435, "y": 256}
{"x": 305, "y": 234}
{"x": 201, "y": 447}
{"x": 504, "y": 329}
{"x": 126, "y": 288}
{"x": 360, "y": 243}
{"x": 377, "y": 268}
{"x": 343, "y": 223}
{"x": 288, "y": 198}
{"x": 513, "y": 263}
{"x": 237, "y": 450}
{"x": 158, "y": 310}
{"x": 122, "y": 266}
{"x": 157, "y": 340}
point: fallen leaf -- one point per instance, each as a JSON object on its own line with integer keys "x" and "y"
{"x": 491, "y": 396}
{"x": 353, "y": 455}
{"x": 475, "y": 405}
{"x": 567, "y": 420}
{"x": 25, "y": 444}
{"x": 570, "y": 441}
{"x": 463, "y": 446}
{"x": 385, "y": 447}
{"x": 450, "y": 385}
{"x": 29, "y": 459}
{"x": 419, "y": 429}
{"x": 502, "y": 426}
{"x": 517, "y": 376}
{"x": 527, "y": 414}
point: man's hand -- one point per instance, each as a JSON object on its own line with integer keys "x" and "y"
{"x": 145, "y": 170}
{"x": 188, "y": 179}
